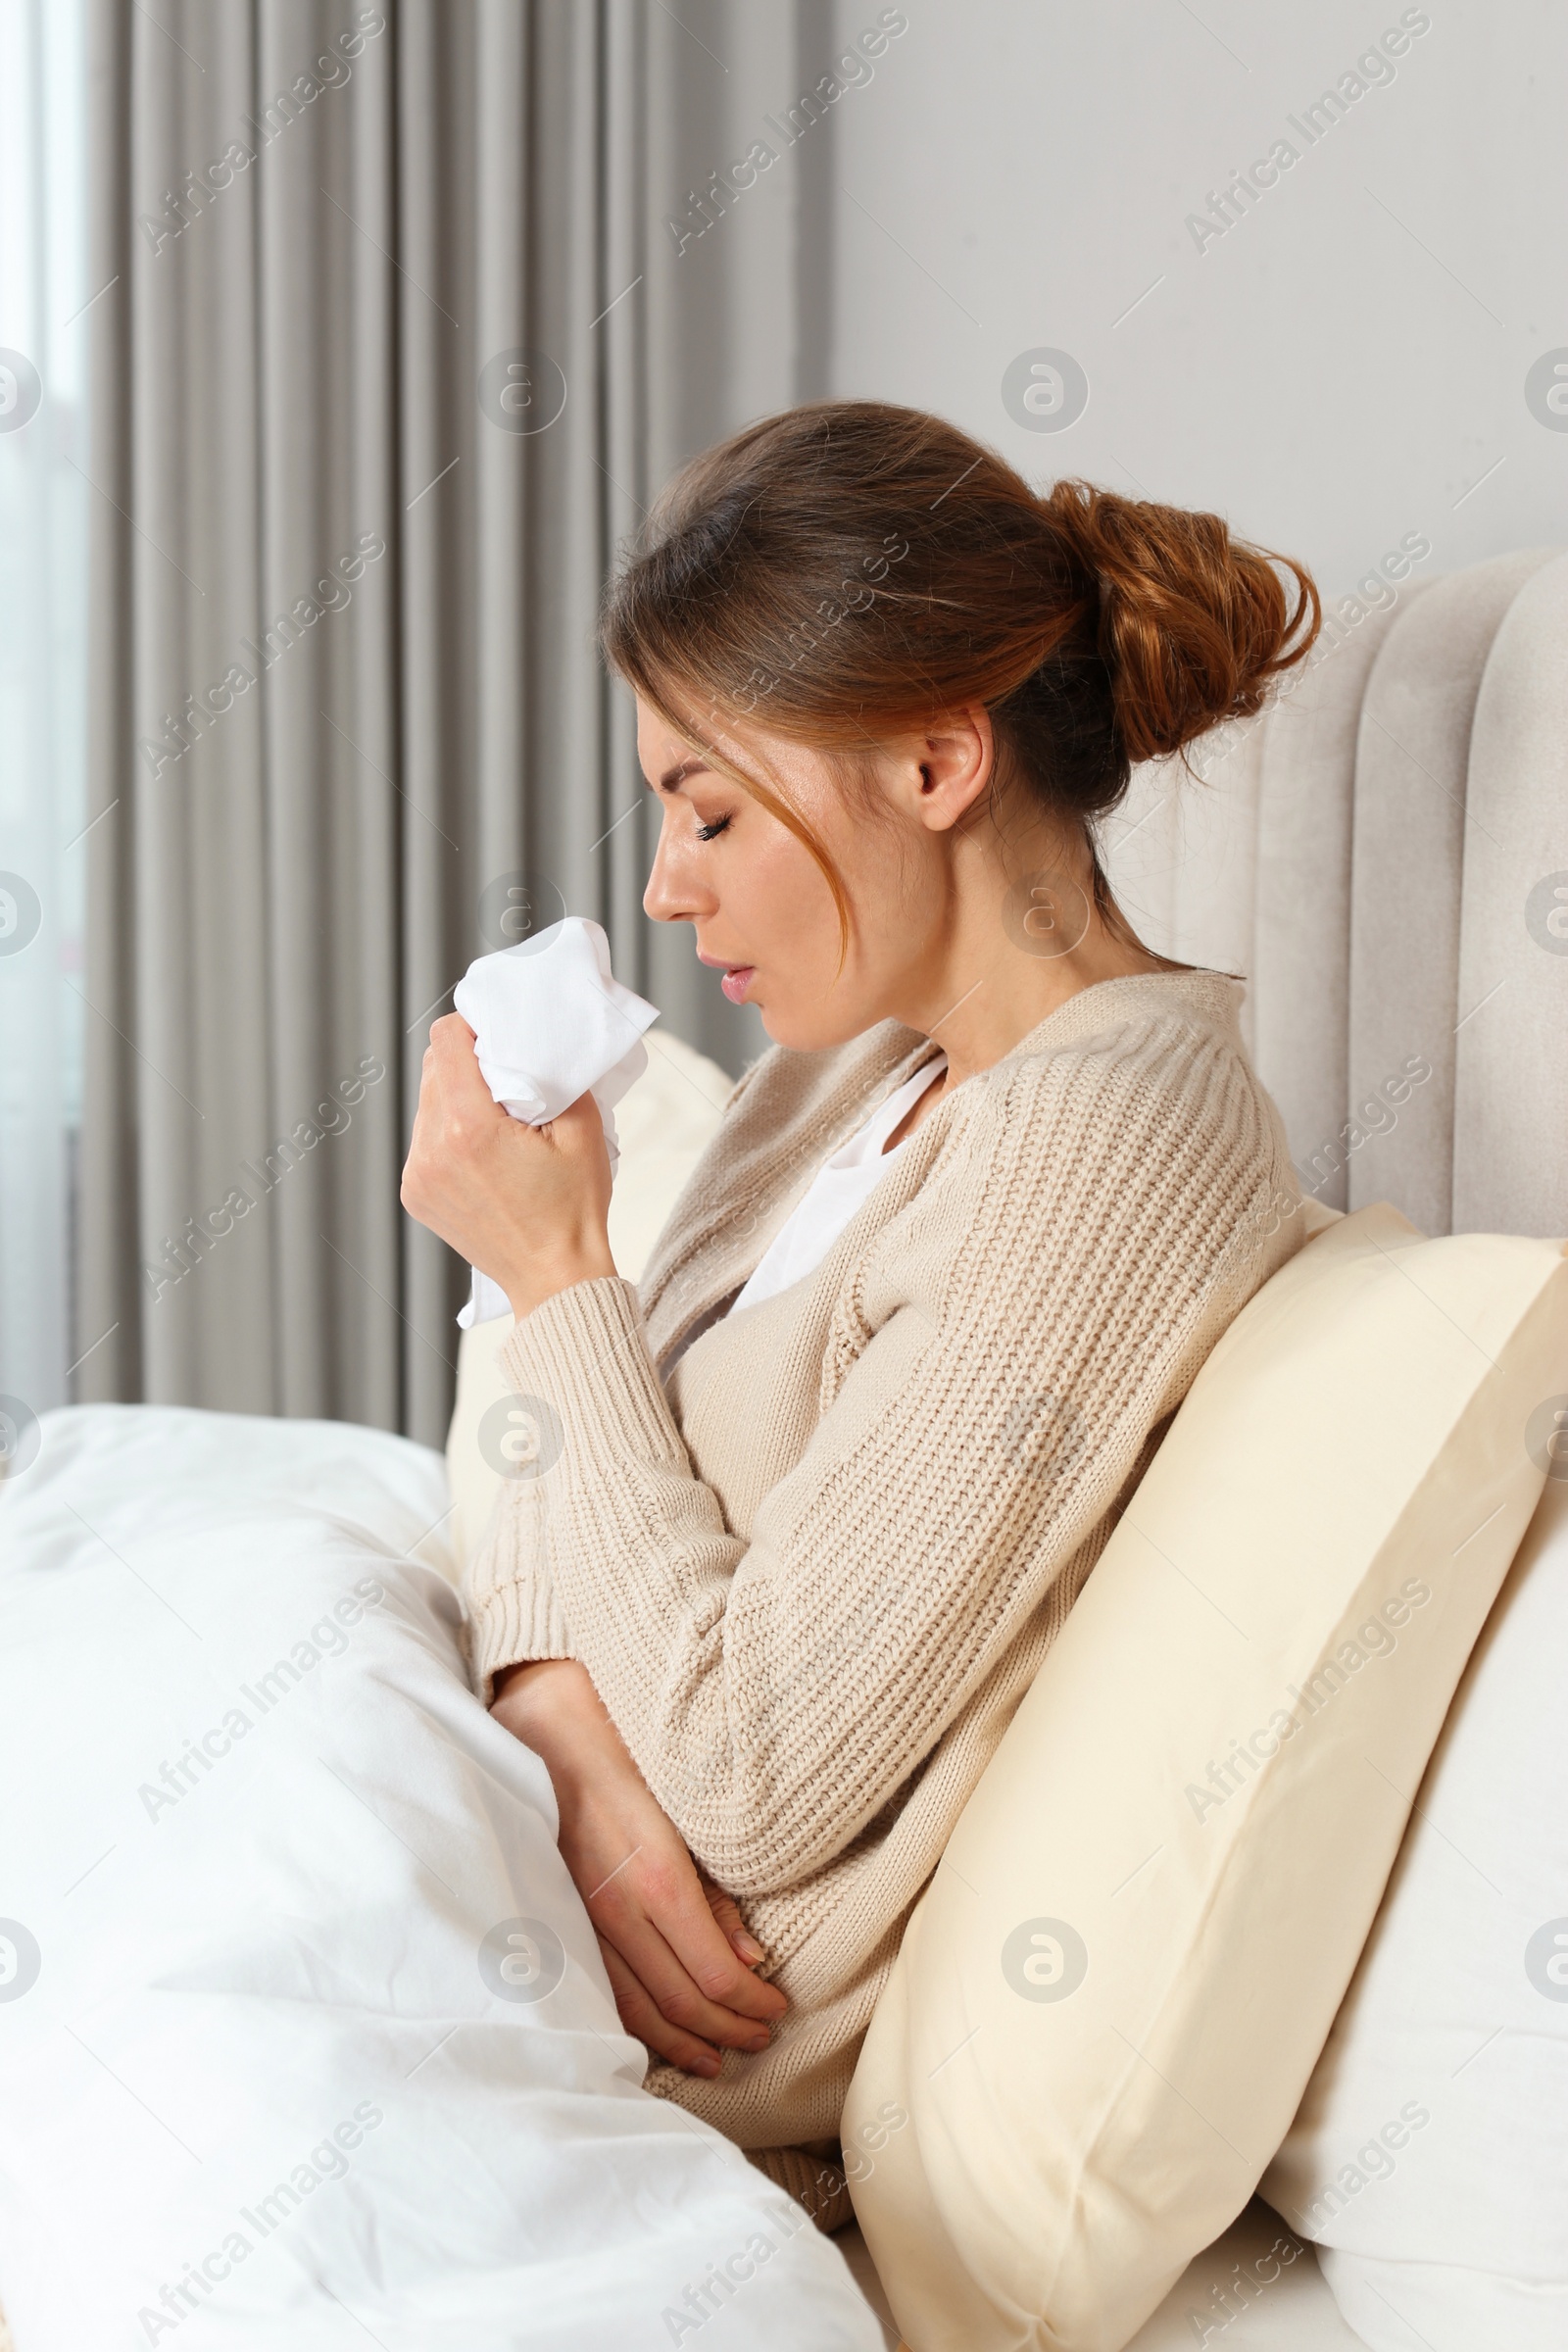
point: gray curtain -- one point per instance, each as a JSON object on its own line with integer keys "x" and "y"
{"x": 395, "y": 343}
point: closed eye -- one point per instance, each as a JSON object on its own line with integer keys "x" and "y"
{"x": 708, "y": 832}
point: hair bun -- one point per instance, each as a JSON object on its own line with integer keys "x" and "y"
{"x": 1194, "y": 625}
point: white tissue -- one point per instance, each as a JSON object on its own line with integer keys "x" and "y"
{"x": 551, "y": 1022}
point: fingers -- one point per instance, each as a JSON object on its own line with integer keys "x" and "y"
{"x": 680, "y": 1999}
{"x": 727, "y": 1912}
{"x": 455, "y": 1123}
{"x": 450, "y": 1068}
{"x": 676, "y": 1902}
{"x": 640, "y": 2014}
{"x": 450, "y": 1032}
{"x": 582, "y": 1118}
{"x": 657, "y": 1917}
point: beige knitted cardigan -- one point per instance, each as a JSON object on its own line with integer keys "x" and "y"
{"x": 812, "y": 1581}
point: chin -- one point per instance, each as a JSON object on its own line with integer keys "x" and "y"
{"x": 807, "y": 1031}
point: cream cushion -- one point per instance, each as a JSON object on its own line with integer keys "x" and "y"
{"x": 662, "y": 1124}
{"x": 1112, "y": 1997}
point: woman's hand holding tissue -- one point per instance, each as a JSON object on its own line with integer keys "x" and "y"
{"x": 527, "y": 1205}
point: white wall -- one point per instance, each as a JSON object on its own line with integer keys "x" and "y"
{"x": 1338, "y": 368}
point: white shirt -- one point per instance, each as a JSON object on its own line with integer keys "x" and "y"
{"x": 837, "y": 1190}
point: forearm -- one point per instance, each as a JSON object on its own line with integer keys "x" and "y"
{"x": 679, "y": 1955}
{"x": 552, "y": 1706}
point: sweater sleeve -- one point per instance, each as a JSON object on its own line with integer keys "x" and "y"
{"x": 1011, "y": 1341}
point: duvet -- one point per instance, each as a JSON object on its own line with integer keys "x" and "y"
{"x": 305, "y": 2040}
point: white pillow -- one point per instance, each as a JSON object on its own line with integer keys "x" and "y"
{"x": 305, "y": 2039}
{"x": 1429, "y": 2157}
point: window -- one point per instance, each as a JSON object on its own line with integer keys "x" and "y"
{"x": 43, "y": 526}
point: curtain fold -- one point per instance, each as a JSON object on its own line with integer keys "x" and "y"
{"x": 397, "y": 345}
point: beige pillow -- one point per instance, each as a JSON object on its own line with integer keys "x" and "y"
{"x": 1110, "y": 1998}
{"x": 663, "y": 1126}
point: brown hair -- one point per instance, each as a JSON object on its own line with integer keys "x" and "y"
{"x": 850, "y": 570}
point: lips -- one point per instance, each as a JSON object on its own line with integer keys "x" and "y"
{"x": 737, "y": 976}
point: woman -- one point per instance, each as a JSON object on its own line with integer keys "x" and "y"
{"x": 830, "y": 1479}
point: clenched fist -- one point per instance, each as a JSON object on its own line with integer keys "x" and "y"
{"x": 527, "y": 1205}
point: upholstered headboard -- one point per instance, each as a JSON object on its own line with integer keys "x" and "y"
{"x": 1384, "y": 855}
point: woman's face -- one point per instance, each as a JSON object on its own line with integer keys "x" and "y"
{"x": 759, "y": 902}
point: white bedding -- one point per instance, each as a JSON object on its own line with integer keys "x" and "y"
{"x": 305, "y": 2039}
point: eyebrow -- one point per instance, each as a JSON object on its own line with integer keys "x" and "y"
{"x": 684, "y": 768}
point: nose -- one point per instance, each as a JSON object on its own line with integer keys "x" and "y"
{"x": 674, "y": 894}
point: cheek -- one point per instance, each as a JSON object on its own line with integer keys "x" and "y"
{"x": 775, "y": 897}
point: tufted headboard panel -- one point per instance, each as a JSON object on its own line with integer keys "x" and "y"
{"x": 1383, "y": 855}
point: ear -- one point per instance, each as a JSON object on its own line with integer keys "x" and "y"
{"x": 942, "y": 775}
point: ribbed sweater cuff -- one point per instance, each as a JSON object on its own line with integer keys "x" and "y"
{"x": 516, "y": 1620}
{"x": 584, "y": 1355}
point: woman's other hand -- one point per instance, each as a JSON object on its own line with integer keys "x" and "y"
{"x": 527, "y": 1205}
{"x": 678, "y": 1957}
